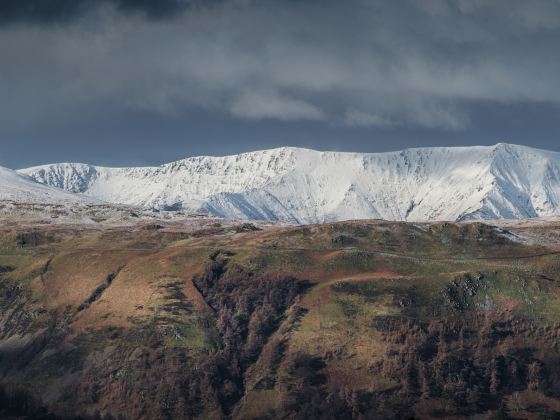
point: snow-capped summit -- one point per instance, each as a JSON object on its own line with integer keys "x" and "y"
{"x": 308, "y": 186}
{"x": 23, "y": 189}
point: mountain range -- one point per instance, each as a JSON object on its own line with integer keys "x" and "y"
{"x": 307, "y": 186}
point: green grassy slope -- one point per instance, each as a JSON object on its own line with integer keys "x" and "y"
{"x": 346, "y": 320}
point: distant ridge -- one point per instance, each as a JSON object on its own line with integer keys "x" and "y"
{"x": 308, "y": 186}
{"x": 20, "y": 188}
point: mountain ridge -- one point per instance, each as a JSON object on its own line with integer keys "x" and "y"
{"x": 308, "y": 186}
{"x": 20, "y": 188}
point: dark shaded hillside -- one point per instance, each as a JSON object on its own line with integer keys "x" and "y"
{"x": 342, "y": 321}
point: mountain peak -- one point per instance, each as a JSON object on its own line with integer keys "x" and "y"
{"x": 23, "y": 189}
{"x": 304, "y": 185}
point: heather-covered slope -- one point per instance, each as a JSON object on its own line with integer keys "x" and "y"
{"x": 307, "y": 186}
{"x": 337, "y": 321}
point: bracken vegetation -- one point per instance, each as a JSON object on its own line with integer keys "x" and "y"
{"x": 343, "y": 321}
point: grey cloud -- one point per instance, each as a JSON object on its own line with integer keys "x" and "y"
{"x": 361, "y": 63}
{"x": 261, "y": 105}
{"x": 357, "y": 118}
{"x": 60, "y": 11}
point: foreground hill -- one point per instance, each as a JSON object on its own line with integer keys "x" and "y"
{"x": 307, "y": 186}
{"x": 337, "y": 321}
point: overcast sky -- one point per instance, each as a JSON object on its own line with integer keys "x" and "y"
{"x": 128, "y": 82}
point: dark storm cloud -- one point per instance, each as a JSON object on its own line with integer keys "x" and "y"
{"x": 425, "y": 68}
{"x": 57, "y": 11}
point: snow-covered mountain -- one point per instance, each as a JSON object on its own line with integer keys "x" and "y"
{"x": 308, "y": 186}
{"x": 22, "y": 189}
